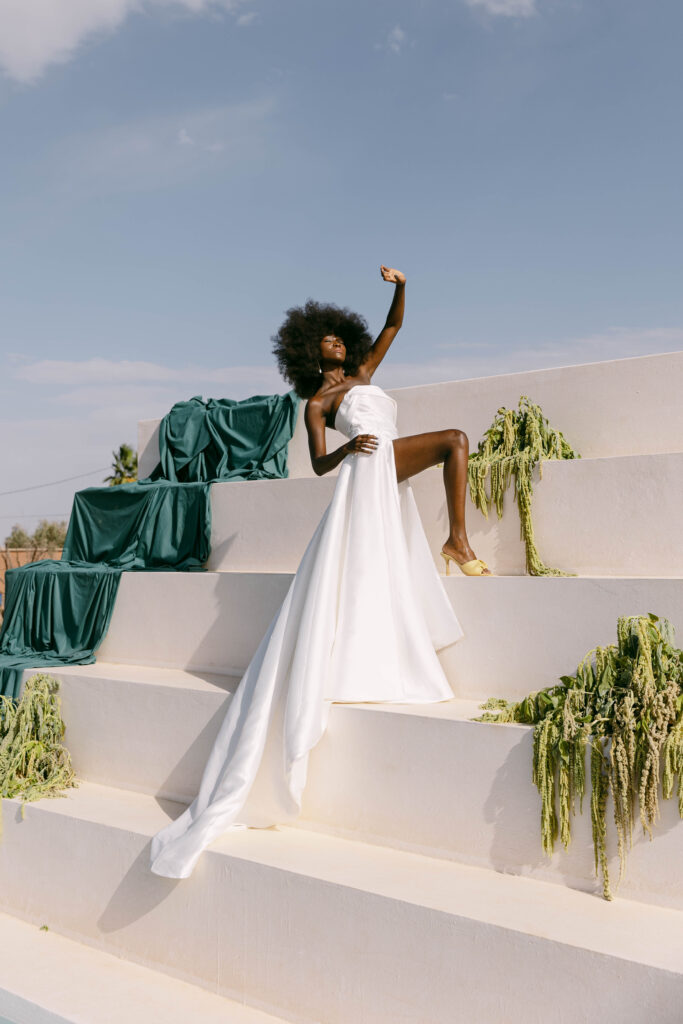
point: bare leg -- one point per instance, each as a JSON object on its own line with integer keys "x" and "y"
{"x": 420, "y": 451}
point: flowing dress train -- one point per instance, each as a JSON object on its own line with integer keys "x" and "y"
{"x": 362, "y": 621}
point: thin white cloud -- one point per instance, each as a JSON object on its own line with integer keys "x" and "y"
{"x": 96, "y": 381}
{"x": 506, "y": 8}
{"x": 248, "y": 18}
{"x": 77, "y": 411}
{"x": 163, "y": 151}
{"x": 396, "y": 39}
{"x": 35, "y": 34}
{"x": 92, "y": 371}
{"x": 103, "y": 383}
{"x": 470, "y": 360}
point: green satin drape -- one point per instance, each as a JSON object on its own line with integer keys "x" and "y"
{"x": 59, "y": 612}
{"x": 221, "y": 439}
{"x": 141, "y": 526}
{"x": 55, "y": 613}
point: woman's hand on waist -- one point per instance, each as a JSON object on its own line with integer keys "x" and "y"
{"x": 366, "y": 443}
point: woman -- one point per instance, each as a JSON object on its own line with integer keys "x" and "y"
{"x": 366, "y": 611}
{"x": 340, "y": 374}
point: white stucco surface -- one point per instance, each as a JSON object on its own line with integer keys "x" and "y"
{"x": 334, "y": 930}
{"x": 48, "y": 979}
{"x": 413, "y": 889}
{"x": 618, "y": 407}
{"x": 521, "y": 633}
{"x": 426, "y": 779}
{"x": 600, "y": 517}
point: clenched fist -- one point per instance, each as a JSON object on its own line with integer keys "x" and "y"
{"x": 391, "y": 275}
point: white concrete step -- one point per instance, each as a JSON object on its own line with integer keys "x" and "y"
{"x": 598, "y": 517}
{"x": 140, "y": 727}
{"x": 317, "y": 928}
{"x": 521, "y": 633}
{"x": 426, "y": 779}
{"x": 617, "y": 407}
{"x": 48, "y": 979}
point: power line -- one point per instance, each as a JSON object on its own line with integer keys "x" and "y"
{"x": 53, "y": 483}
{"x": 37, "y": 515}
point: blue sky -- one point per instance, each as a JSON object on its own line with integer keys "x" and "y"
{"x": 176, "y": 173}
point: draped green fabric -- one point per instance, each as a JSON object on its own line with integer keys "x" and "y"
{"x": 56, "y": 613}
{"x": 222, "y": 439}
{"x": 59, "y": 612}
{"x": 141, "y": 526}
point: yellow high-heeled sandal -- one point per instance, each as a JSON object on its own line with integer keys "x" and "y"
{"x": 475, "y": 567}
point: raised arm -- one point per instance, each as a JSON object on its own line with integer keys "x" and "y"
{"x": 315, "y": 425}
{"x": 393, "y": 321}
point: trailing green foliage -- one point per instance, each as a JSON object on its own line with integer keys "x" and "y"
{"x": 33, "y": 762}
{"x": 626, "y": 703}
{"x": 513, "y": 445}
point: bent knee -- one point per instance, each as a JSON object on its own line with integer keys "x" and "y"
{"x": 456, "y": 438}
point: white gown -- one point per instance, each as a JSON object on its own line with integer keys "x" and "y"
{"x": 361, "y": 621}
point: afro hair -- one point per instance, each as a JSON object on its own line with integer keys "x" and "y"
{"x": 297, "y": 343}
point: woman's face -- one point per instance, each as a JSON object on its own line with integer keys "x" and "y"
{"x": 332, "y": 349}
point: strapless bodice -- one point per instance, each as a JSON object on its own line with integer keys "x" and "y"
{"x": 367, "y": 409}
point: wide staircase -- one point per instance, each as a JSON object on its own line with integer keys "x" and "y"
{"x": 413, "y": 889}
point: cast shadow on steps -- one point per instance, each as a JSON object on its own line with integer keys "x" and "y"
{"x": 182, "y": 782}
{"x": 138, "y": 893}
{"x": 219, "y": 552}
{"x": 513, "y": 808}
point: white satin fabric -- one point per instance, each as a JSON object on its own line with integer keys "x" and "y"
{"x": 361, "y": 621}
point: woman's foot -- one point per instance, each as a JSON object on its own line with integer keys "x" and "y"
{"x": 464, "y": 556}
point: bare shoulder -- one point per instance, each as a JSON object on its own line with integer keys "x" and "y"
{"x": 316, "y": 403}
{"x": 315, "y": 409}
{"x": 320, "y": 404}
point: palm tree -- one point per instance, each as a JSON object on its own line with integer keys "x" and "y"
{"x": 125, "y": 466}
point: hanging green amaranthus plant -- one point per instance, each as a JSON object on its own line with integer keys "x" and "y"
{"x": 33, "y": 762}
{"x": 513, "y": 445}
{"x": 625, "y": 703}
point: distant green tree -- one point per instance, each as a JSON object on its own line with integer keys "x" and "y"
{"x": 18, "y": 538}
{"x": 46, "y": 537}
{"x": 125, "y": 466}
{"x": 49, "y": 535}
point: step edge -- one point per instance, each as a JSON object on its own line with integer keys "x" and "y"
{"x": 113, "y": 971}
{"x": 608, "y": 930}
